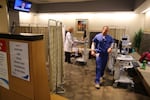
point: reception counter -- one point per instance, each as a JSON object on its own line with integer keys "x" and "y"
{"x": 23, "y": 74}
{"x": 145, "y": 77}
{"x": 143, "y": 74}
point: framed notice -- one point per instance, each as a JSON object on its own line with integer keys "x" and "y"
{"x": 19, "y": 57}
{"x": 4, "y": 82}
{"x": 81, "y": 25}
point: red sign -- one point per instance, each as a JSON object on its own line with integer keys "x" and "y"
{"x": 3, "y": 45}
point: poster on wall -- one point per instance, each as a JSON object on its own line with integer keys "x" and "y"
{"x": 4, "y": 82}
{"x": 81, "y": 25}
{"x": 19, "y": 60}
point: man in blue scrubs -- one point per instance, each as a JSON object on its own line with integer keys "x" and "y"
{"x": 101, "y": 46}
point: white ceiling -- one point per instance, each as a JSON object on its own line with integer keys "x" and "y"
{"x": 57, "y": 1}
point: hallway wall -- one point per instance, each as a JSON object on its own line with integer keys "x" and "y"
{"x": 3, "y": 17}
{"x": 129, "y": 20}
{"x": 147, "y": 22}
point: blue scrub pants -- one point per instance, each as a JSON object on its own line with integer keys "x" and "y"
{"x": 101, "y": 62}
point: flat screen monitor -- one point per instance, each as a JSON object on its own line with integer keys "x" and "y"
{"x": 22, "y": 5}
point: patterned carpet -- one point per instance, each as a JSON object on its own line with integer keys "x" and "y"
{"x": 79, "y": 85}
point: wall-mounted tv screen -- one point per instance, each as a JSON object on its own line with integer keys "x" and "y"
{"x": 22, "y": 5}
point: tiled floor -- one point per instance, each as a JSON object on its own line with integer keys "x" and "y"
{"x": 79, "y": 85}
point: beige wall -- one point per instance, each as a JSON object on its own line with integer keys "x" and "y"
{"x": 145, "y": 9}
{"x": 3, "y": 17}
{"x": 147, "y": 21}
{"x": 129, "y": 20}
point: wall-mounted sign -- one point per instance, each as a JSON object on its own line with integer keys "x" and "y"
{"x": 19, "y": 60}
{"x": 4, "y": 82}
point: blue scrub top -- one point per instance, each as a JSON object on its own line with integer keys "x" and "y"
{"x": 102, "y": 43}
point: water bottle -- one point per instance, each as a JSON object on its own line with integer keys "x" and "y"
{"x": 133, "y": 50}
{"x": 144, "y": 64}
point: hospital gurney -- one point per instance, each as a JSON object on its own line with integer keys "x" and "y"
{"x": 123, "y": 62}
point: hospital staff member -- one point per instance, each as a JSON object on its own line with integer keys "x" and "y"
{"x": 101, "y": 46}
{"x": 68, "y": 45}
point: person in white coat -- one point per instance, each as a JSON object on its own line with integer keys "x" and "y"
{"x": 68, "y": 45}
